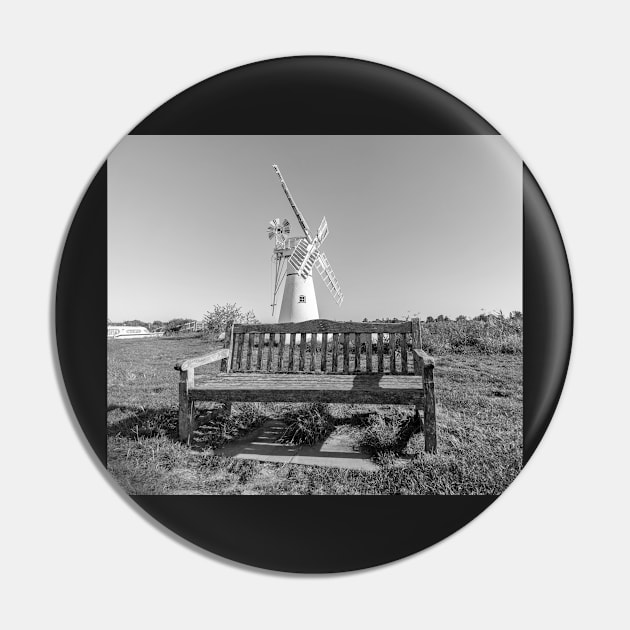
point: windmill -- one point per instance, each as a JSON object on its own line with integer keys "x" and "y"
{"x": 294, "y": 259}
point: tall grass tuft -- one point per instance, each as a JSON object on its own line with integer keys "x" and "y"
{"x": 388, "y": 435}
{"x": 308, "y": 424}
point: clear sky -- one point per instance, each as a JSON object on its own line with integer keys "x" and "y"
{"x": 418, "y": 224}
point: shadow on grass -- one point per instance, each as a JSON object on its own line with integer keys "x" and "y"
{"x": 134, "y": 422}
{"x": 212, "y": 426}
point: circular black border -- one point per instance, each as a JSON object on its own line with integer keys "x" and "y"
{"x": 327, "y": 95}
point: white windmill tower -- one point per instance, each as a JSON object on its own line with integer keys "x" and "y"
{"x": 294, "y": 260}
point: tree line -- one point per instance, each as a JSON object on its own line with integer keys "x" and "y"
{"x": 215, "y": 320}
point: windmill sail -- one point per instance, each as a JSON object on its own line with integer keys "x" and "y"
{"x": 298, "y": 214}
{"x": 325, "y": 271}
{"x": 304, "y": 257}
{"x": 322, "y": 231}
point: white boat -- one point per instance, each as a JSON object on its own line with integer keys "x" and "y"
{"x": 131, "y": 332}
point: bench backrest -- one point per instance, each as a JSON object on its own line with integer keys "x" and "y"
{"x": 322, "y": 345}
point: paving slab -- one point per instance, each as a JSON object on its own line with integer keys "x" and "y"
{"x": 338, "y": 450}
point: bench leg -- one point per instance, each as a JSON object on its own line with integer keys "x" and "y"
{"x": 186, "y": 408}
{"x": 430, "y": 433}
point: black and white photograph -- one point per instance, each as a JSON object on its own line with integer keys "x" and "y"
{"x": 300, "y": 314}
{"x": 364, "y": 269}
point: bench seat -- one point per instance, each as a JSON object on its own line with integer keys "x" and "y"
{"x": 305, "y": 387}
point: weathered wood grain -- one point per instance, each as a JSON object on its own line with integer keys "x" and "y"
{"x": 272, "y": 339}
{"x": 357, "y": 352}
{"x": 335, "y": 351}
{"x": 346, "y": 353}
{"x": 430, "y": 429}
{"x": 313, "y": 352}
{"x": 416, "y": 343}
{"x": 250, "y": 349}
{"x": 240, "y": 341}
{"x": 392, "y": 353}
{"x": 291, "y": 351}
{"x": 281, "y": 350}
{"x": 317, "y": 379}
{"x": 423, "y": 358}
{"x": 261, "y": 345}
{"x": 403, "y": 353}
{"x": 324, "y": 353}
{"x": 360, "y": 388}
{"x": 191, "y": 364}
{"x": 190, "y": 379}
{"x": 226, "y": 364}
{"x": 261, "y": 379}
{"x": 393, "y": 397}
{"x": 302, "y": 352}
{"x": 379, "y": 351}
{"x": 368, "y": 354}
{"x": 185, "y": 419}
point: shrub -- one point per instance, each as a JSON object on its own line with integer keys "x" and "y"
{"x": 388, "y": 435}
{"x": 216, "y": 320}
{"x": 308, "y": 424}
{"x": 489, "y": 334}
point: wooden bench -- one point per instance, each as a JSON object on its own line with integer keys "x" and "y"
{"x": 315, "y": 361}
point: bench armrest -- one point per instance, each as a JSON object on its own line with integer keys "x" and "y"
{"x": 189, "y": 364}
{"x": 424, "y": 357}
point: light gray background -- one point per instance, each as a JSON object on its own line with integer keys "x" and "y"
{"x": 552, "y": 551}
{"x": 422, "y": 225}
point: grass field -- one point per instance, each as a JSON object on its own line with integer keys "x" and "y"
{"x": 479, "y": 416}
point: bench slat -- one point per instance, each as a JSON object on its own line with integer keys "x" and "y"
{"x": 261, "y": 345}
{"x": 403, "y": 353}
{"x": 324, "y": 352}
{"x": 261, "y": 387}
{"x": 282, "y": 394}
{"x": 335, "y": 352}
{"x": 302, "y": 352}
{"x": 250, "y": 349}
{"x": 313, "y": 351}
{"x": 392, "y": 353}
{"x": 379, "y": 352}
{"x": 239, "y": 350}
{"x": 272, "y": 339}
{"x": 281, "y": 351}
{"x": 357, "y": 352}
{"x": 368, "y": 354}
{"x": 291, "y": 350}
{"x": 306, "y": 380}
{"x": 346, "y": 353}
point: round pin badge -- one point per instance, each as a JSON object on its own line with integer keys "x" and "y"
{"x": 339, "y": 314}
